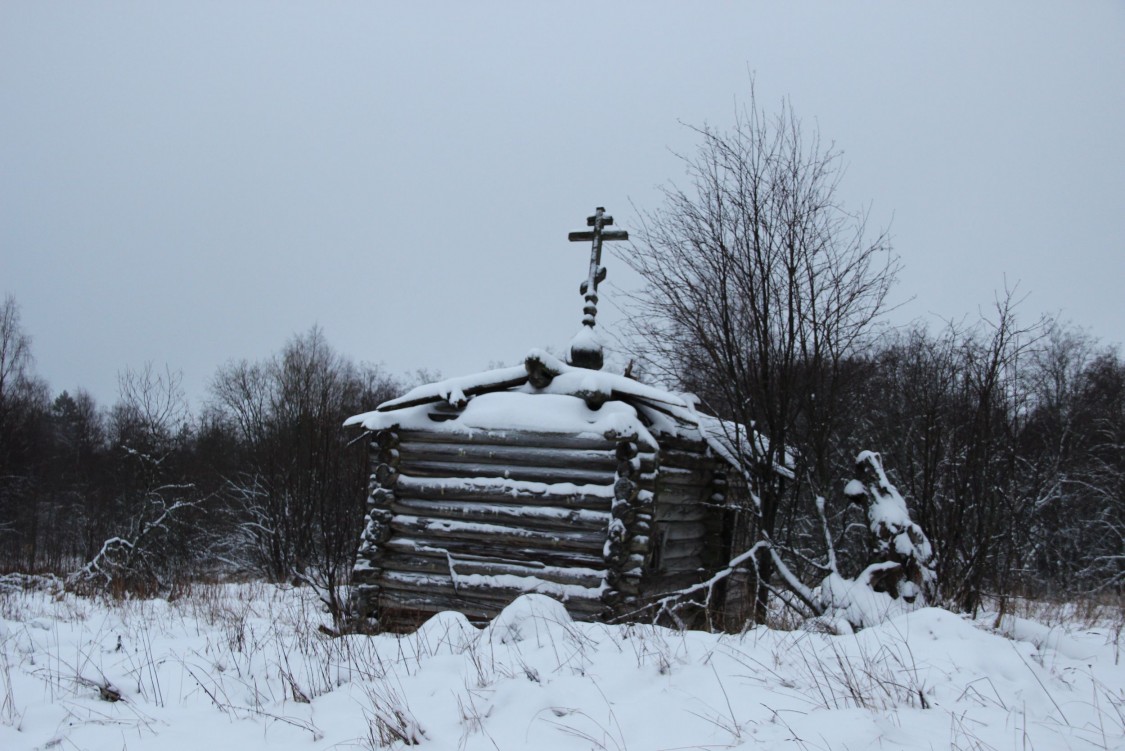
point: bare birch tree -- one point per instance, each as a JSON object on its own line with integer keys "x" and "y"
{"x": 759, "y": 283}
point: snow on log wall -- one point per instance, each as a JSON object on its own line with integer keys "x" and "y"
{"x": 471, "y": 522}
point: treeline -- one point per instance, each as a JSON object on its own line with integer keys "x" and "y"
{"x": 142, "y": 494}
{"x": 1008, "y": 442}
{"x": 766, "y": 295}
{"x": 1009, "y": 445}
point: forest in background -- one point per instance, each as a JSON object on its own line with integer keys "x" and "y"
{"x": 768, "y": 297}
{"x": 1007, "y": 442}
{"x": 762, "y": 295}
{"x": 143, "y": 495}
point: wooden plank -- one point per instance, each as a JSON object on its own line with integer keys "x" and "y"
{"x": 686, "y": 460}
{"x": 682, "y": 495}
{"x": 680, "y": 555}
{"x": 689, "y": 548}
{"x": 684, "y": 531}
{"x": 540, "y": 518}
{"x": 682, "y": 476}
{"x": 669, "y": 513}
{"x": 576, "y": 475}
{"x": 497, "y": 490}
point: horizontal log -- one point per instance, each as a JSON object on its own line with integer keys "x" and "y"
{"x": 682, "y": 476}
{"x": 672, "y": 494}
{"x": 590, "y": 441}
{"x": 407, "y": 609}
{"x": 454, "y": 468}
{"x": 495, "y": 536}
{"x": 384, "y": 476}
{"x": 413, "y": 606}
{"x": 540, "y": 518}
{"x": 404, "y": 612}
{"x": 496, "y": 588}
{"x": 521, "y": 456}
{"x": 442, "y": 565}
{"x": 516, "y": 554}
{"x": 483, "y": 388}
{"x": 498, "y": 591}
{"x": 499, "y": 490}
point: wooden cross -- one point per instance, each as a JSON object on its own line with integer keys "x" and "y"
{"x": 586, "y": 356}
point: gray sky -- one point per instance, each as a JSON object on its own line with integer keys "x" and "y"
{"x": 190, "y": 183}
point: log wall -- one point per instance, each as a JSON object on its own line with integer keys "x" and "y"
{"x": 469, "y": 522}
{"x": 688, "y": 516}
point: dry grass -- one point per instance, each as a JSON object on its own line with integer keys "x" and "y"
{"x": 256, "y": 652}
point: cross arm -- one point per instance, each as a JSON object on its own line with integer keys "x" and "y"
{"x": 606, "y": 234}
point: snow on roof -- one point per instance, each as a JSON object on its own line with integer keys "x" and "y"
{"x": 583, "y": 401}
{"x": 565, "y": 379}
{"x": 732, "y": 441}
{"x": 455, "y": 391}
{"x": 517, "y": 410}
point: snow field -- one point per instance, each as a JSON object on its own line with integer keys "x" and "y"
{"x": 244, "y": 666}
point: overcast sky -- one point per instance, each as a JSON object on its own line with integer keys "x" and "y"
{"x": 191, "y": 183}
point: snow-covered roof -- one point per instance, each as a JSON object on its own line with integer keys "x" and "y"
{"x": 565, "y": 379}
{"x": 548, "y": 395}
{"x": 518, "y": 409}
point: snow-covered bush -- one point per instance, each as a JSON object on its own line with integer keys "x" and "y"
{"x": 899, "y": 576}
{"x": 900, "y": 550}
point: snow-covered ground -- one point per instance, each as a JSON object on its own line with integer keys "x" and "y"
{"x": 244, "y": 667}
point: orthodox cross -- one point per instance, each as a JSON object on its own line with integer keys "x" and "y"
{"x": 585, "y": 351}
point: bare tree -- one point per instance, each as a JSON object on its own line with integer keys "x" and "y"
{"x": 1072, "y": 466}
{"x": 759, "y": 283}
{"x": 23, "y": 437}
{"x": 956, "y": 414}
{"x": 76, "y": 463}
{"x": 15, "y": 349}
{"x": 145, "y": 530}
{"x": 152, "y": 405}
{"x": 297, "y": 494}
